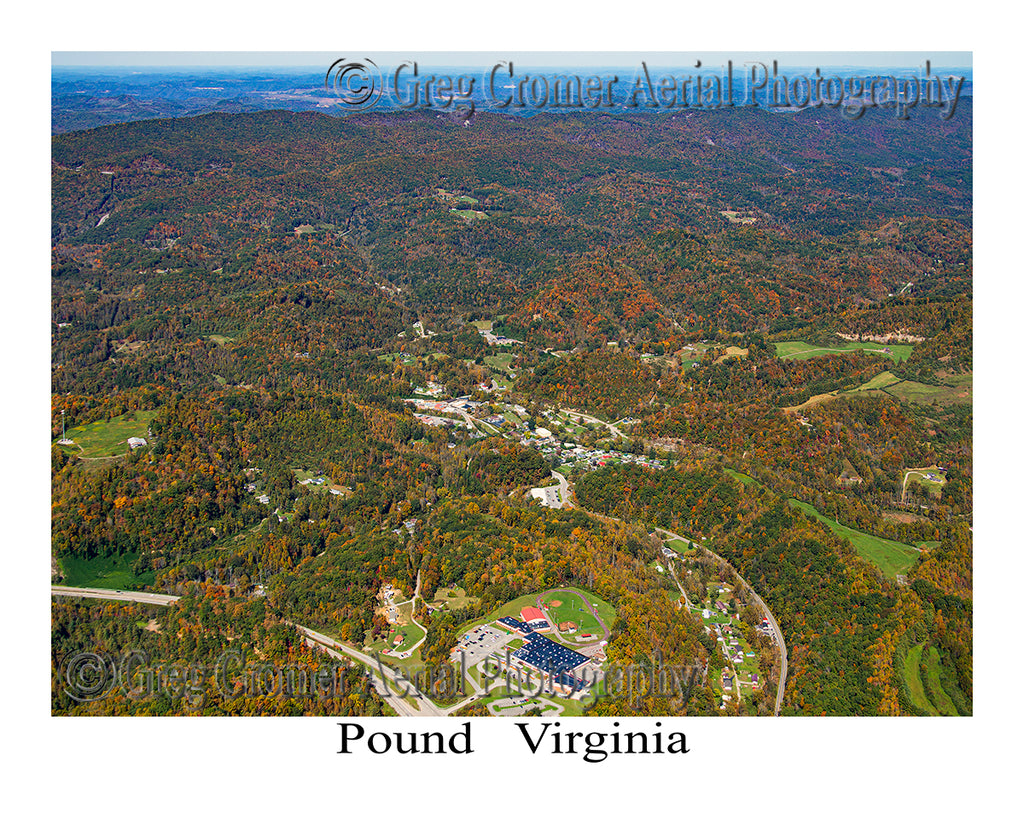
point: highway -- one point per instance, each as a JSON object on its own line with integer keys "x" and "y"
{"x": 779, "y": 639}
{"x": 418, "y": 704}
{"x": 115, "y": 594}
{"x": 406, "y": 704}
{"x": 782, "y": 650}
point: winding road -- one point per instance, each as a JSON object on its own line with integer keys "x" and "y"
{"x": 417, "y": 704}
{"x": 590, "y": 419}
{"x": 559, "y": 497}
{"x": 408, "y": 652}
{"x": 779, "y": 639}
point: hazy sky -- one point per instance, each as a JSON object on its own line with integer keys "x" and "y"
{"x": 943, "y": 60}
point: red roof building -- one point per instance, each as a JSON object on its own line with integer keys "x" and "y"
{"x": 535, "y": 618}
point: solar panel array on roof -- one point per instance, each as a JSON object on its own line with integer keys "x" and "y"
{"x": 515, "y": 625}
{"x": 571, "y": 681}
{"x": 547, "y": 655}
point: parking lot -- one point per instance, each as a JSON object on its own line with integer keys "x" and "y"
{"x": 517, "y": 706}
{"x": 481, "y": 641}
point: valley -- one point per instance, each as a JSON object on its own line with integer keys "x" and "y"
{"x": 381, "y": 389}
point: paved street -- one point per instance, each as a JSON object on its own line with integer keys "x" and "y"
{"x": 115, "y": 594}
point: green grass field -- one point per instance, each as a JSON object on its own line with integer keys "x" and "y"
{"x": 917, "y": 393}
{"x": 872, "y": 387}
{"x": 956, "y": 379}
{"x": 880, "y": 381}
{"x": 605, "y": 610}
{"x": 920, "y": 476}
{"x": 915, "y": 687}
{"x": 509, "y": 609}
{"x": 957, "y": 390}
{"x": 572, "y": 426}
{"x": 571, "y": 609}
{"x": 802, "y": 350}
{"x": 470, "y": 215}
{"x": 501, "y": 361}
{"x": 326, "y": 486}
{"x": 412, "y": 634}
{"x": 220, "y": 340}
{"x": 114, "y": 572}
{"x": 103, "y": 439}
{"x": 677, "y": 545}
{"x": 934, "y": 686}
{"x": 513, "y": 607}
{"x": 890, "y": 556}
{"x": 744, "y": 479}
{"x": 715, "y": 616}
{"x": 921, "y": 672}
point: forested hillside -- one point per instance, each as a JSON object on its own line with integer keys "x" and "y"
{"x": 352, "y": 347}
